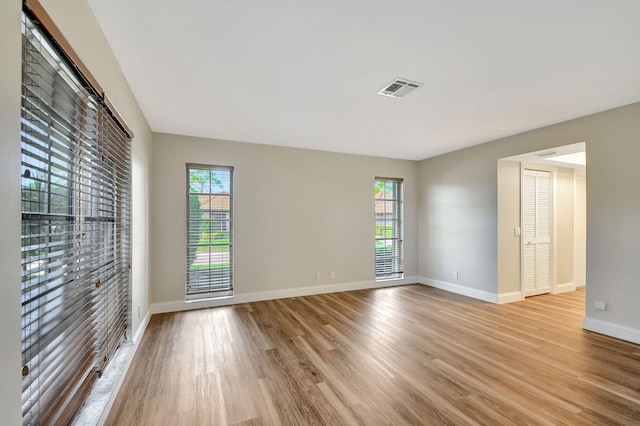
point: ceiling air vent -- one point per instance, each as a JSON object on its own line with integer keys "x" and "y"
{"x": 399, "y": 88}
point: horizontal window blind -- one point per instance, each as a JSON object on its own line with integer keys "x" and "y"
{"x": 389, "y": 233}
{"x": 209, "y": 232}
{"x": 75, "y": 232}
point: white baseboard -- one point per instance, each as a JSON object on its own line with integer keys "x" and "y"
{"x": 181, "y": 305}
{"x": 513, "y": 296}
{"x": 580, "y": 285}
{"x": 135, "y": 341}
{"x": 611, "y": 329}
{"x": 460, "y": 289}
{"x": 564, "y": 287}
{"x": 141, "y": 329}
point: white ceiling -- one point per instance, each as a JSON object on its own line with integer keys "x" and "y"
{"x": 305, "y": 73}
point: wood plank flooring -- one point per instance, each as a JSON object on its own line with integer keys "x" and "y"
{"x": 400, "y": 355}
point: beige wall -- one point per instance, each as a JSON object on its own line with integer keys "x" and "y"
{"x": 509, "y": 185}
{"x": 458, "y": 212}
{"x": 458, "y": 217}
{"x": 75, "y": 20}
{"x": 563, "y": 226}
{"x": 296, "y": 212}
{"x": 613, "y": 224}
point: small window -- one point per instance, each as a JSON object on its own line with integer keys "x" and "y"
{"x": 389, "y": 245}
{"x": 209, "y": 232}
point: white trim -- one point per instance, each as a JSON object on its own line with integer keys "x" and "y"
{"x": 513, "y": 296}
{"x": 142, "y": 328}
{"x": 137, "y": 338}
{"x": 181, "y": 305}
{"x": 564, "y": 287}
{"x": 580, "y": 285}
{"x": 460, "y": 289}
{"x": 610, "y": 329}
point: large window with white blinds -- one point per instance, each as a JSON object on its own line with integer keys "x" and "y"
{"x": 75, "y": 231}
{"x": 209, "y": 232}
{"x": 389, "y": 233}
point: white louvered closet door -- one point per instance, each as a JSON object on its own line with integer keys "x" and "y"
{"x": 536, "y": 232}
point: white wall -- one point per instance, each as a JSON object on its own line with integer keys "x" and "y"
{"x": 75, "y": 20}
{"x": 458, "y": 213}
{"x": 296, "y": 212}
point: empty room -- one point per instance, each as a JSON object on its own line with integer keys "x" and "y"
{"x": 289, "y": 213}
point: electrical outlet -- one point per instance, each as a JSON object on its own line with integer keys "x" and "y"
{"x": 455, "y": 275}
{"x": 139, "y": 311}
{"x": 318, "y": 275}
{"x": 333, "y": 275}
{"x": 600, "y": 305}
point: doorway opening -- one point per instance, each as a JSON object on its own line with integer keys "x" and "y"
{"x": 542, "y": 222}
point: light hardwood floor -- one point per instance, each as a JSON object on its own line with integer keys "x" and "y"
{"x": 400, "y": 355}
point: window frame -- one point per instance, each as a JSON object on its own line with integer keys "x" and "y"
{"x": 389, "y": 212}
{"x": 214, "y": 280}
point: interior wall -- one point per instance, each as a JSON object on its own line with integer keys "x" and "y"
{"x": 613, "y": 227}
{"x": 509, "y": 248}
{"x": 296, "y": 212}
{"x": 76, "y": 22}
{"x": 458, "y": 212}
{"x": 564, "y": 211}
